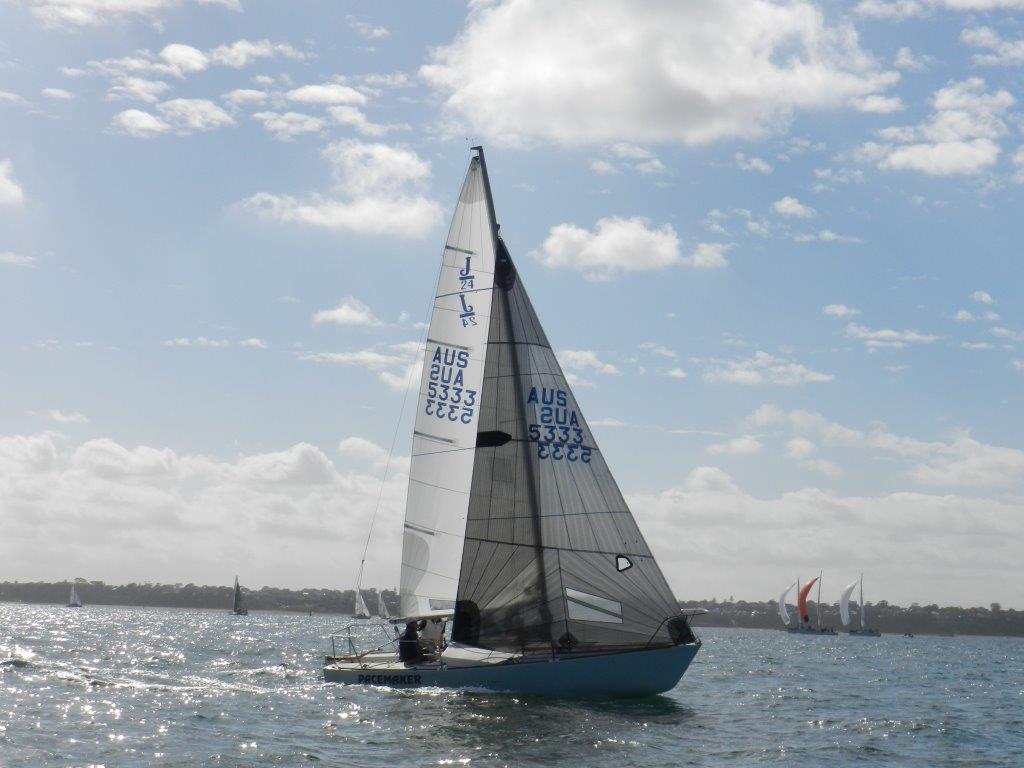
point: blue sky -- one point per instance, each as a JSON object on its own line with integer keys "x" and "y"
{"x": 775, "y": 244}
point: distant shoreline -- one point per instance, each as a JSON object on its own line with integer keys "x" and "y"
{"x": 993, "y": 621}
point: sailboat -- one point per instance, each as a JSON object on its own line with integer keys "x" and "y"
{"x": 783, "y": 613}
{"x": 236, "y": 601}
{"x": 515, "y": 530}
{"x": 804, "y": 627}
{"x": 362, "y": 612}
{"x": 382, "y": 607}
{"x": 73, "y": 600}
{"x": 844, "y": 611}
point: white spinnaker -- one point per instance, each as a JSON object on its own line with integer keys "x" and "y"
{"x": 783, "y": 613}
{"x": 444, "y": 438}
{"x": 844, "y": 602}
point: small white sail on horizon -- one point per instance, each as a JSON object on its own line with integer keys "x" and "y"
{"x": 844, "y": 602}
{"x": 73, "y": 599}
{"x": 384, "y": 613}
{"x": 783, "y": 613}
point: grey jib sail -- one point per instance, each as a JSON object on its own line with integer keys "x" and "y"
{"x": 553, "y": 559}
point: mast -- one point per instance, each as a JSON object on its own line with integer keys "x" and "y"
{"x": 501, "y": 261}
{"x": 863, "y": 615}
{"x": 818, "y": 606}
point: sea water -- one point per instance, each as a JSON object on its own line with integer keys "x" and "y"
{"x": 153, "y": 687}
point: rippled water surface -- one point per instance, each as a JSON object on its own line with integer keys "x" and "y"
{"x": 135, "y": 686}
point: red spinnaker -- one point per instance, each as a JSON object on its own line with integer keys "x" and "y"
{"x": 801, "y": 601}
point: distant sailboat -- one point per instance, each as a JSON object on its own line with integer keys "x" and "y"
{"x": 362, "y": 612}
{"x": 515, "y": 529}
{"x": 844, "y": 611}
{"x": 783, "y": 613}
{"x": 73, "y": 600}
{"x": 236, "y": 601}
{"x": 805, "y": 627}
{"x": 382, "y": 607}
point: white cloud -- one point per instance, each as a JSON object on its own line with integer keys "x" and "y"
{"x": 603, "y": 167}
{"x": 615, "y": 245}
{"x": 580, "y": 359}
{"x": 241, "y": 96}
{"x": 960, "y": 546}
{"x": 12, "y": 98}
{"x": 709, "y": 71}
{"x": 58, "y": 94}
{"x": 975, "y": 345}
{"x": 327, "y": 93}
{"x": 959, "y": 138}
{"x": 894, "y": 9}
{"x": 398, "y": 367}
{"x": 800, "y": 448}
{"x": 191, "y": 115}
{"x": 367, "y": 30}
{"x": 378, "y": 188}
{"x": 745, "y": 445}
{"x": 610, "y": 423}
{"x": 790, "y": 206}
{"x": 1006, "y": 333}
{"x": 11, "y": 192}
{"x": 184, "y": 58}
{"x": 354, "y": 117}
{"x": 878, "y": 104}
{"x": 887, "y": 338}
{"x": 241, "y": 53}
{"x": 754, "y": 164}
{"x": 763, "y": 368}
{"x": 1001, "y": 52}
{"x": 660, "y": 350}
{"x": 253, "y": 343}
{"x": 11, "y": 259}
{"x": 826, "y": 236}
{"x": 963, "y": 316}
{"x": 124, "y": 513}
{"x": 68, "y": 418}
{"x": 707, "y": 256}
{"x": 140, "y": 124}
{"x": 839, "y": 310}
{"x": 361, "y": 450}
{"x": 1018, "y": 164}
{"x": 350, "y": 311}
{"x": 676, "y": 373}
{"x": 287, "y": 126}
{"x": 200, "y": 341}
{"x": 983, "y": 297}
{"x": 96, "y": 12}
{"x": 907, "y": 60}
{"x": 137, "y": 89}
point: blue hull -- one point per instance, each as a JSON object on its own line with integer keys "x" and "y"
{"x": 627, "y": 673}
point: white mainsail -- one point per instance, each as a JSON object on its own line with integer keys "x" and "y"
{"x": 444, "y": 439}
{"x": 783, "y": 613}
{"x": 844, "y": 602}
{"x": 361, "y": 609}
{"x": 384, "y": 613}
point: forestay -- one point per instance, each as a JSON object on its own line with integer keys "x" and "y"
{"x": 553, "y": 560}
{"x": 448, "y": 409}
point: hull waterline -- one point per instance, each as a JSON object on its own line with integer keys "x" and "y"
{"x": 628, "y": 673}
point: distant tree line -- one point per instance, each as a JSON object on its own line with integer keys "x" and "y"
{"x": 196, "y": 596}
{"x": 889, "y": 619}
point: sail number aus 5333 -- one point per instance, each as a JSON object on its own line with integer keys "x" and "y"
{"x": 447, "y": 397}
{"x": 559, "y": 435}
